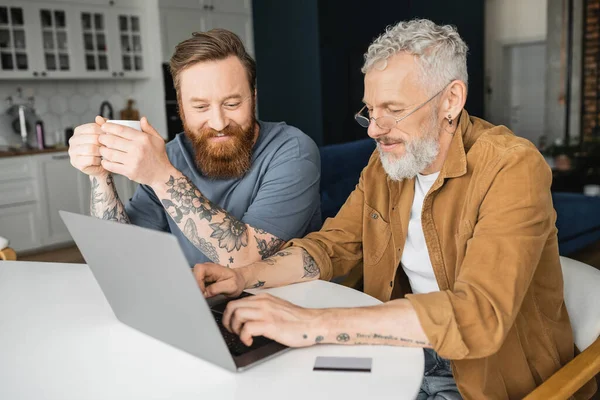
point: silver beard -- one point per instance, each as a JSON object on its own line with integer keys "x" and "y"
{"x": 419, "y": 154}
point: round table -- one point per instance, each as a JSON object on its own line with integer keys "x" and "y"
{"x": 59, "y": 339}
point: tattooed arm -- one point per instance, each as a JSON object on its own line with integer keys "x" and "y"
{"x": 285, "y": 267}
{"x": 105, "y": 202}
{"x": 217, "y": 234}
{"x": 291, "y": 265}
{"x": 394, "y": 323}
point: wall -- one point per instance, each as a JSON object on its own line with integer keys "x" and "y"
{"x": 555, "y": 73}
{"x": 286, "y": 45}
{"x": 309, "y": 55}
{"x": 62, "y": 104}
{"x": 508, "y": 22}
{"x": 150, "y": 93}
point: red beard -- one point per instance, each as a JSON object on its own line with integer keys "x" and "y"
{"x": 228, "y": 159}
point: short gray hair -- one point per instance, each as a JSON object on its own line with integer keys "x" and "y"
{"x": 440, "y": 51}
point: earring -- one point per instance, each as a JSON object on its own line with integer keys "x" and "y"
{"x": 449, "y": 117}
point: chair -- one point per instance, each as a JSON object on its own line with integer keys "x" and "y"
{"x": 341, "y": 165}
{"x": 8, "y": 254}
{"x": 582, "y": 298}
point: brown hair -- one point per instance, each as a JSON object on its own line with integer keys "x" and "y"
{"x": 216, "y": 44}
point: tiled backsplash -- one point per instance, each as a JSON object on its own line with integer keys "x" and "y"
{"x": 62, "y": 104}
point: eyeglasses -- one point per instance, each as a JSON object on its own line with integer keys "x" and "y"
{"x": 387, "y": 122}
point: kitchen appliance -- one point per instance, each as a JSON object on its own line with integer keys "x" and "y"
{"x": 18, "y": 123}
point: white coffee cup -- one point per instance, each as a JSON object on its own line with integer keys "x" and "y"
{"x": 131, "y": 124}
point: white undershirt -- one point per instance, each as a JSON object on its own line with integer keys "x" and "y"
{"x": 415, "y": 258}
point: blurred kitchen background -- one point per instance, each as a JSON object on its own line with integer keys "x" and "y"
{"x": 533, "y": 66}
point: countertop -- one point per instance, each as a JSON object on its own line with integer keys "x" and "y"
{"x": 29, "y": 152}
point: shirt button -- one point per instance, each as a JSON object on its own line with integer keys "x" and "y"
{"x": 391, "y": 283}
{"x": 374, "y": 216}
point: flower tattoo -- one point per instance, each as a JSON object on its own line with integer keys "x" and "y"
{"x": 232, "y": 234}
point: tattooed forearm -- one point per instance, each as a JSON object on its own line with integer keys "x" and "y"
{"x": 191, "y": 232}
{"x": 310, "y": 266}
{"x": 376, "y": 337}
{"x": 272, "y": 260}
{"x": 231, "y": 233}
{"x": 218, "y": 234}
{"x": 186, "y": 199}
{"x": 258, "y": 284}
{"x": 343, "y": 337}
{"x": 105, "y": 202}
{"x": 265, "y": 249}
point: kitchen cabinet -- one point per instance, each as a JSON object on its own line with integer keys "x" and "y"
{"x": 60, "y": 189}
{"x": 178, "y": 25}
{"x": 112, "y": 42}
{"x": 227, "y": 6}
{"x": 19, "y": 212}
{"x": 20, "y": 225}
{"x": 182, "y": 17}
{"x": 42, "y": 40}
{"x": 32, "y": 191}
{"x": 16, "y": 40}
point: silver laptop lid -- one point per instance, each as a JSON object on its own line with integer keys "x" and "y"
{"x": 149, "y": 285}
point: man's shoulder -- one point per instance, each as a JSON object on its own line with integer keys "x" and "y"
{"x": 176, "y": 149}
{"x": 175, "y": 144}
{"x": 497, "y": 141}
{"x": 287, "y": 141}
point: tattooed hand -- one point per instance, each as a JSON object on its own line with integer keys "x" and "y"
{"x": 215, "y": 279}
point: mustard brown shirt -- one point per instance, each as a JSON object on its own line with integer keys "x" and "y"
{"x": 489, "y": 225}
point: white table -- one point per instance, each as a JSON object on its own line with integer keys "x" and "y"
{"x": 59, "y": 339}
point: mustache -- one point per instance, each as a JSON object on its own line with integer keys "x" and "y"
{"x": 387, "y": 141}
{"x": 208, "y": 133}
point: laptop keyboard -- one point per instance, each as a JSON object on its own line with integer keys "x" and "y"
{"x": 234, "y": 344}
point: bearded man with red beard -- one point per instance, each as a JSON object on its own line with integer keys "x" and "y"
{"x": 231, "y": 188}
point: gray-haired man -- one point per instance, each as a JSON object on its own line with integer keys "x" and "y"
{"x": 453, "y": 223}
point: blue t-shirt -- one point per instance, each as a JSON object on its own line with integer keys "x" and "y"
{"x": 279, "y": 194}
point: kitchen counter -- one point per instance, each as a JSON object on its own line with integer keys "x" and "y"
{"x": 29, "y": 152}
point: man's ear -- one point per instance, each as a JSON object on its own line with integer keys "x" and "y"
{"x": 455, "y": 99}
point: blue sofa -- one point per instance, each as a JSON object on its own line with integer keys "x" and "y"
{"x": 341, "y": 165}
{"x": 578, "y": 216}
{"x": 577, "y": 220}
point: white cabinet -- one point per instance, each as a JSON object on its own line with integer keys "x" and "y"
{"x": 19, "y": 212}
{"x": 178, "y": 25}
{"x": 60, "y": 190}
{"x": 230, "y": 6}
{"x": 20, "y": 224}
{"x": 112, "y": 42}
{"x": 56, "y": 40}
{"x": 180, "y": 18}
{"x": 32, "y": 191}
{"x": 227, "y": 6}
{"x": 17, "y": 31}
{"x": 239, "y": 24}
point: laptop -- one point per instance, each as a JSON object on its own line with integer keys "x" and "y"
{"x": 150, "y": 286}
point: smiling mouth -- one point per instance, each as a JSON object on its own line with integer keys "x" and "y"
{"x": 220, "y": 138}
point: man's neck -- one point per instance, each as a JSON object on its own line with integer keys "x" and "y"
{"x": 444, "y": 143}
